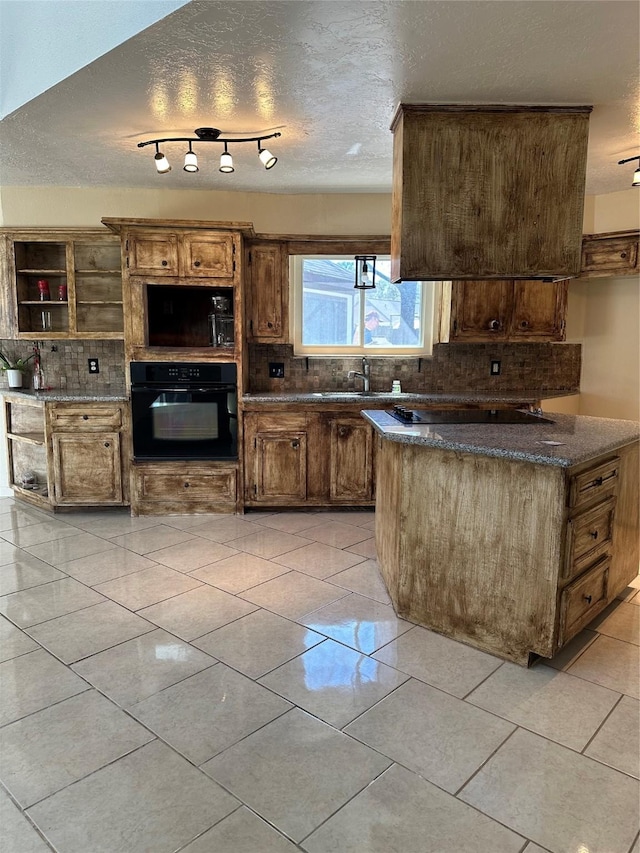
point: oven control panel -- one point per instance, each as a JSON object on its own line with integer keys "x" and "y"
{"x": 182, "y": 373}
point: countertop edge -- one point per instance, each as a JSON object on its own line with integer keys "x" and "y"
{"x": 599, "y": 437}
{"x": 65, "y": 396}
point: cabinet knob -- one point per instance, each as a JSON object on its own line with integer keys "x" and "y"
{"x": 524, "y": 324}
{"x": 186, "y": 485}
{"x": 85, "y": 417}
{"x": 269, "y": 325}
{"x": 165, "y": 263}
{"x": 587, "y": 598}
{"x": 106, "y": 444}
{"x": 623, "y": 254}
{"x": 593, "y": 534}
{"x": 295, "y": 444}
{"x": 494, "y": 325}
{"x": 342, "y": 431}
{"x": 196, "y": 263}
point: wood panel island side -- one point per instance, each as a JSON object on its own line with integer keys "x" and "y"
{"x": 510, "y": 538}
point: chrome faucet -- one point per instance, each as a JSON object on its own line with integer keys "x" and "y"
{"x": 364, "y": 375}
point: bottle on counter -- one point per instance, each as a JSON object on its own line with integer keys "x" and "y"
{"x": 395, "y": 387}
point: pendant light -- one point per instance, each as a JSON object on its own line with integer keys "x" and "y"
{"x": 365, "y": 272}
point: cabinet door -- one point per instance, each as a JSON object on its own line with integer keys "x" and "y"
{"x": 539, "y": 309}
{"x": 208, "y": 255}
{"x": 152, "y": 253}
{"x": 280, "y": 466}
{"x": 351, "y": 459}
{"x": 480, "y": 310}
{"x": 87, "y": 468}
{"x": 267, "y": 293}
{"x": 610, "y": 256}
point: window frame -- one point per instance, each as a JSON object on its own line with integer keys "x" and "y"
{"x": 429, "y": 316}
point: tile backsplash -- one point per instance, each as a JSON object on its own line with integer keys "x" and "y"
{"x": 452, "y": 368}
{"x": 65, "y": 364}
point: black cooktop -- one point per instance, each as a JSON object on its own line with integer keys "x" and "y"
{"x": 465, "y": 416}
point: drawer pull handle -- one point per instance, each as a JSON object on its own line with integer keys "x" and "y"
{"x": 165, "y": 263}
{"x": 85, "y": 417}
{"x": 494, "y": 325}
{"x": 593, "y": 534}
{"x": 196, "y": 263}
{"x": 186, "y": 485}
{"x": 598, "y": 481}
{"x": 524, "y": 324}
{"x": 587, "y": 598}
{"x": 106, "y": 444}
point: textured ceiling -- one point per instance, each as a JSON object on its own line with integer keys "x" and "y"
{"x": 327, "y": 74}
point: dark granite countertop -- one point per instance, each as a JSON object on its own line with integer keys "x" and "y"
{"x": 427, "y": 398}
{"x": 59, "y": 396}
{"x": 570, "y": 440}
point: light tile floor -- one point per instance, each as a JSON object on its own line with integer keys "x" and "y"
{"x": 216, "y": 684}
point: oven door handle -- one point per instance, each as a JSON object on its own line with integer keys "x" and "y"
{"x": 162, "y": 389}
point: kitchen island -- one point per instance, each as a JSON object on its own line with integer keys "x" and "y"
{"x": 510, "y": 538}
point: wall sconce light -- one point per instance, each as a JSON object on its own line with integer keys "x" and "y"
{"x": 636, "y": 175}
{"x": 210, "y": 134}
{"x": 365, "y": 272}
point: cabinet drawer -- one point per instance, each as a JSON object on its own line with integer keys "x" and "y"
{"x": 589, "y": 535}
{"x": 89, "y": 417}
{"x": 594, "y": 483}
{"x": 190, "y": 485}
{"x": 583, "y": 599}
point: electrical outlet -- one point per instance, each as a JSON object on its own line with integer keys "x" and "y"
{"x": 276, "y": 370}
{"x": 94, "y": 365}
{"x": 495, "y": 367}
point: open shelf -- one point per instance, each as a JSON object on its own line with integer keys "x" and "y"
{"x": 29, "y": 437}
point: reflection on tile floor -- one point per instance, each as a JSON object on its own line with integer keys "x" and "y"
{"x": 242, "y": 685}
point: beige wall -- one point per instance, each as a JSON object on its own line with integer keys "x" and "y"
{"x": 336, "y": 213}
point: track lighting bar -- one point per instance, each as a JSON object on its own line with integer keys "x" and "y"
{"x": 210, "y": 134}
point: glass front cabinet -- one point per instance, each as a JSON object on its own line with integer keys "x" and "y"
{"x": 62, "y": 285}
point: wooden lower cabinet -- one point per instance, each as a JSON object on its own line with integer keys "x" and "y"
{"x": 310, "y": 458}
{"x": 512, "y": 557}
{"x": 351, "y": 455}
{"x": 75, "y": 450}
{"x": 87, "y": 469}
{"x": 182, "y": 488}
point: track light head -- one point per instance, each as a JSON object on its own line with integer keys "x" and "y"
{"x": 636, "y": 175}
{"x": 190, "y": 161}
{"x": 266, "y": 158}
{"x": 226, "y": 161}
{"x": 162, "y": 164}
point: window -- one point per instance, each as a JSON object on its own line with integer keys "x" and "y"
{"x": 330, "y": 316}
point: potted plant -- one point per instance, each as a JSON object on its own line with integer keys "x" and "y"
{"x": 14, "y": 368}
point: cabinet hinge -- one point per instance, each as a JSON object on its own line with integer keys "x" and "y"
{"x": 233, "y": 248}
{"x": 255, "y": 489}
{"x": 455, "y": 325}
{"x": 127, "y": 261}
{"x": 255, "y": 443}
{"x": 251, "y": 326}
{"x": 249, "y": 257}
{"x": 126, "y": 246}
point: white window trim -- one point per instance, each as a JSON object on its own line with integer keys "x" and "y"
{"x": 431, "y": 297}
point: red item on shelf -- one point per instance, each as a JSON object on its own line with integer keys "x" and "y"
{"x": 43, "y": 287}
{"x": 62, "y": 292}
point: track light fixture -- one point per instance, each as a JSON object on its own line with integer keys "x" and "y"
{"x": 365, "y": 272}
{"x": 636, "y": 175}
{"x": 210, "y": 134}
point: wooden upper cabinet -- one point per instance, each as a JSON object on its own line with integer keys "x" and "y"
{"x": 503, "y": 310}
{"x": 481, "y": 310}
{"x": 487, "y": 192}
{"x": 539, "y": 309}
{"x": 152, "y": 253}
{"x": 267, "y": 292}
{"x": 208, "y": 255}
{"x": 197, "y": 254}
{"x": 612, "y": 254}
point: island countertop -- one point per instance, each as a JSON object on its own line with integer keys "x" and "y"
{"x": 569, "y": 441}
{"x": 425, "y": 398}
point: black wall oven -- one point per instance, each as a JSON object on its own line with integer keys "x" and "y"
{"x": 184, "y": 411}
